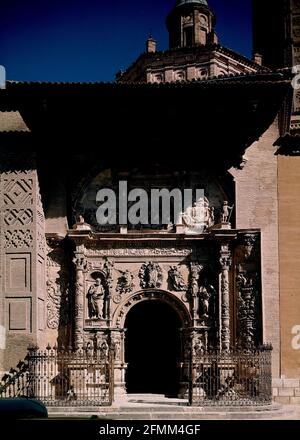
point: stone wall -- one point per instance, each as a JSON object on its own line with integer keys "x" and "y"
{"x": 286, "y": 391}
{"x": 22, "y": 286}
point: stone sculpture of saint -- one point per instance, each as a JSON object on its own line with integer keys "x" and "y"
{"x": 226, "y": 212}
{"x": 153, "y": 275}
{"x": 177, "y": 279}
{"x": 95, "y": 298}
{"x": 206, "y": 291}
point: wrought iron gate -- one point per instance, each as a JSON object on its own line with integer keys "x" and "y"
{"x": 64, "y": 378}
{"x": 231, "y": 378}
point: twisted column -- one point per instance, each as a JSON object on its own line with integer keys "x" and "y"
{"x": 80, "y": 265}
{"x": 225, "y": 261}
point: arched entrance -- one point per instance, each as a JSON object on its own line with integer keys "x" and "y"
{"x": 153, "y": 348}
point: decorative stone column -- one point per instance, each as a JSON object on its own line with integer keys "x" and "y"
{"x": 109, "y": 267}
{"x": 81, "y": 266}
{"x": 225, "y": 261}
{"x": 117, "y": 343}
{"x": 194, "y": 288}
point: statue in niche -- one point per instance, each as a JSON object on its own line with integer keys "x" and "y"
{"x": 196, "y": 269}
{"x": 96, "y": 296}
{"x": 226, "y": 212}
{"x": 206, "y": 291}
{"x": 176, "y": 279}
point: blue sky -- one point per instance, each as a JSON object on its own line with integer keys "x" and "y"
{"x": 90, "y": 40}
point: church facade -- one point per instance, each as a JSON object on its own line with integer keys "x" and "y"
{"x": 154, "y": 297}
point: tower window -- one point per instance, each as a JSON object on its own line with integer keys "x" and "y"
{"x": 188, "y": 36}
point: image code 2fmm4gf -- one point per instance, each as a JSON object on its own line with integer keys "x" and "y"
{"x": 171, "y": 430}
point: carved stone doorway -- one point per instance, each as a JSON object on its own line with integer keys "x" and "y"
{"x": 153, "y": 349}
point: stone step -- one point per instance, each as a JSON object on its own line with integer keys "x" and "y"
{"x": 177, "y": 416}
{"x": 159, "y": 407}
{"x": 161, "y": 412}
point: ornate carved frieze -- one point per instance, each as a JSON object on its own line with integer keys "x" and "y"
{"x": 128, "y": 251}
{"x": 151, "y": 276}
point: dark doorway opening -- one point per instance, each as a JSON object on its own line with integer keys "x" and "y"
{"x": 153, "y": 349}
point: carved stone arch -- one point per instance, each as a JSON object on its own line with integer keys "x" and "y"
{"x": 96, "y": 273}
{"x": 177, "y": 305}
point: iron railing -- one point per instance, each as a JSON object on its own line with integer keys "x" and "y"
{"x": 231, "y": 378}
{"x": 65, "y": 378}
{"x": 15, "y": 382}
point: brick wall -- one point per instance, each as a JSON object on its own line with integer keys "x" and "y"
{"x": 257, "y": 208}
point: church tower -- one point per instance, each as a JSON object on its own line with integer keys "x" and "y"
{"x": 194, "y": 52}
{"x": 191, "y": 22}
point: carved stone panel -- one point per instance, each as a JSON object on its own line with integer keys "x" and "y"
{"x": 248, "y": 290}
{"x": 151, "y": 276}
{"x": 176, "y": 280}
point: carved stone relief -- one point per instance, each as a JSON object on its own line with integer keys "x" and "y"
{"x": 125, "y": 282}
{"x": 151, "y": 276}
{"x": 53, "y": 304}
{"x": 247, "y": 309}
{"x": 58, "y": 287}
{"x": 18, "y": 217}
{"x": 17, "y": 239}
{"x": 176, "y": 280}
{"x": 154, "y": 251}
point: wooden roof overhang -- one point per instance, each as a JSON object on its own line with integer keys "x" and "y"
{"x": 212, "y": 121}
